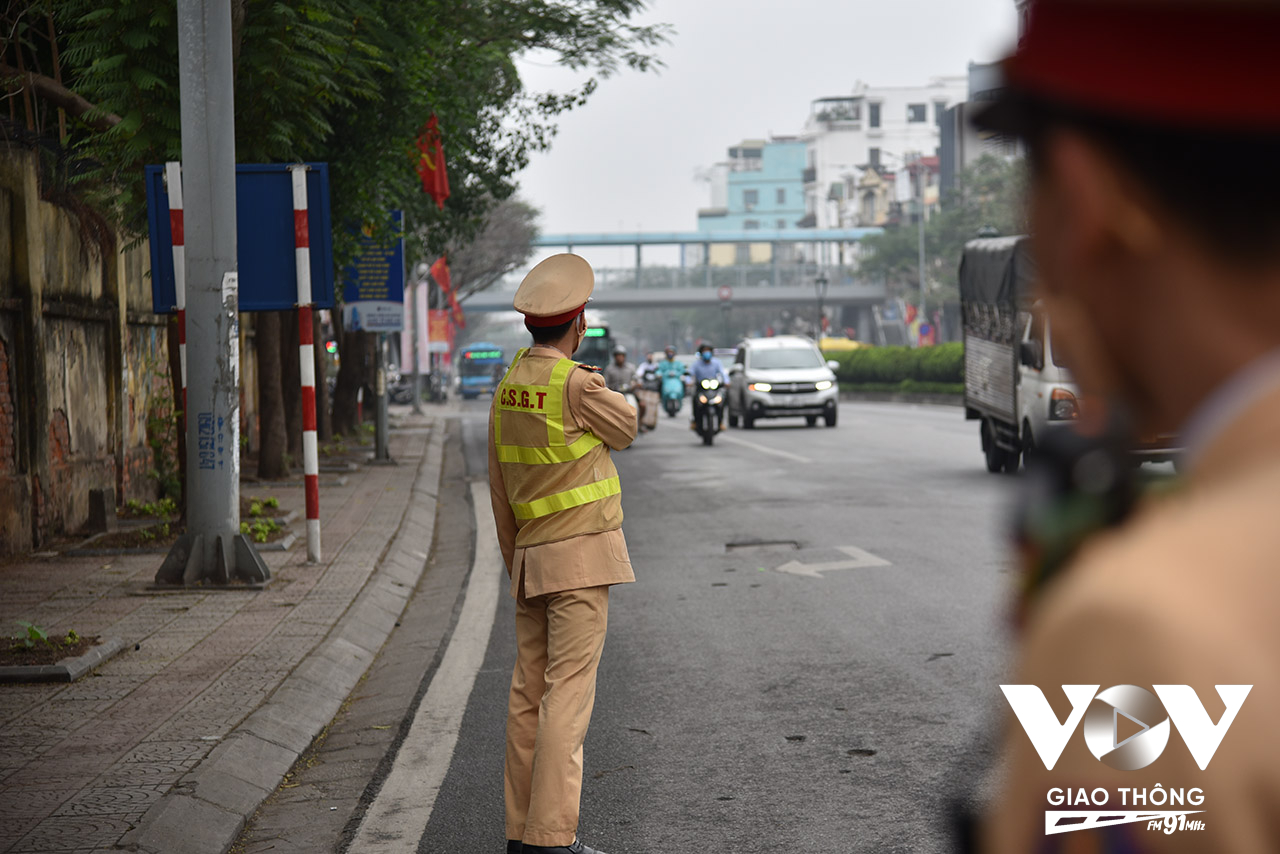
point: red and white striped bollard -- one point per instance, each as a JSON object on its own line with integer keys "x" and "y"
{"x": 306, "y": 357}
{"x": 173, "y": 177}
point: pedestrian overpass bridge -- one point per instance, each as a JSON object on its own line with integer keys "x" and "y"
{"x": 777, "y": 282}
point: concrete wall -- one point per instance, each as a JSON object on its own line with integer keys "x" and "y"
{"x": 82, "y": 362}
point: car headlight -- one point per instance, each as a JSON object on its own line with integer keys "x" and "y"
{"x": 760, "y": 387}
{"x": 1063, "y": 406}
{"x": 823, "y": 386}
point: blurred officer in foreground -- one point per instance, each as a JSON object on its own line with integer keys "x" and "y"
{"x": 557, "y": 504}
{"x": 1153, "y": 135}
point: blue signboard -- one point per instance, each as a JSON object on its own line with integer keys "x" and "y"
{"x": 264, "y": 237}
{"x": 373, "y": 284}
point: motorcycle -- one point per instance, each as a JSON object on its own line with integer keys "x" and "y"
{"x": 709, "y": 402}
{"x": 672, "y": 393}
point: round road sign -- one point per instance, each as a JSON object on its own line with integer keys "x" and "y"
{"x": 726, "y": 293}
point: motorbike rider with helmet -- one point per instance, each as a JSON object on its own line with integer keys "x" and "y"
{"x": 706, "y": 367}
{"x": 619, "y": 375}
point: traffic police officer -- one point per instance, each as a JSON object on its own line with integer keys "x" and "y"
{"x": 557, "y": 504}
{"x": 1153, "y": 132}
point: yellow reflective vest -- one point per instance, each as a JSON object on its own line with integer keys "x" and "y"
{"x": 560, "y": 480}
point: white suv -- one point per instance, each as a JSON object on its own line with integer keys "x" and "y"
{"x": 779, "y": 377}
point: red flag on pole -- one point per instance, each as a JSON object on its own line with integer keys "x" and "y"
{"x": 435, "y": 181}
{"x": 440, "y": 272}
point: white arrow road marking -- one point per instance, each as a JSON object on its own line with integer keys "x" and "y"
{"x": 859, "y": 559}
{"x": 398, "y": 816}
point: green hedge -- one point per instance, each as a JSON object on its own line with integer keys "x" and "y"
{"x": 906, "y": 386}
{"x": 893, "y": 365}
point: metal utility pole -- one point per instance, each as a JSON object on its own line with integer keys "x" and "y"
{"x": 212, "y": 551}
{"x": 381, "y": 454}
{"x": 820, "y": 287}
{"x": 415, "y": 291}
{"x": 920, "y": 188}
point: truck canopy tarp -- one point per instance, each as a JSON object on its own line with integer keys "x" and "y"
{"x": 998, "y": 270}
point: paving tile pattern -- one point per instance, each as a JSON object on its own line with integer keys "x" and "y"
{"x": 80, "y": 764}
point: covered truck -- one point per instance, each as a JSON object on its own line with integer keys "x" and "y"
{"x": 1014, "y": 384}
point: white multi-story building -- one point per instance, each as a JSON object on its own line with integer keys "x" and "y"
{"x": 878, "y": 128}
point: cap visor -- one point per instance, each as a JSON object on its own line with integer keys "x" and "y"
{"x": 1007, "y": 114}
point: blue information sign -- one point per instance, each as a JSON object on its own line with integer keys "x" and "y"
{"x": 264, "y": 237}
{"x": 373, "y": 284}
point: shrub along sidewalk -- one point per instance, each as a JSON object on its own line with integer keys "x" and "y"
{"x": 888, "y": 368}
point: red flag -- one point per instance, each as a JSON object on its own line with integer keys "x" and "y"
{"x": 435, "y": 181}
{"x": 440, "y": 272}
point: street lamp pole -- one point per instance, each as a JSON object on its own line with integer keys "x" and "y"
{"x": 820, "y": 288}
{"x": 416, "y": 335}
{"x": 920, "y": 178}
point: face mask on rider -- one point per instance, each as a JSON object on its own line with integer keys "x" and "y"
{"x": 706, "y": 355}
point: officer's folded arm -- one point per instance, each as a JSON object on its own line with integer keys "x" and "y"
{"x": 605, "y": 413}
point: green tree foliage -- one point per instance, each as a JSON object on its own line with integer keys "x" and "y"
{"x": 351, "y": 82}
{"x": 988, "y": 200}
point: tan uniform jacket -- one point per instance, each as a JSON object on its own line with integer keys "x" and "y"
{"x": 591, "y": 560}
{"x": 1187, "y": 593}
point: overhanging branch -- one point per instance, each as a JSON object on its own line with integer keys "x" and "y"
{"x": 58, "y": 95}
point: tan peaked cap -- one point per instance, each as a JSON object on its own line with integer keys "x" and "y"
{"x": 556, "y": 290}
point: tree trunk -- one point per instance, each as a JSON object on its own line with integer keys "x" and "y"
{"x": 175, "y": 380}
{"x": 271, "y": 441}
{"x": 351, "y": 378}
{"x": 291, "y": 383}
{"x": 324, "y": 423}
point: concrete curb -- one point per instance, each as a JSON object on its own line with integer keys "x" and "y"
{"x": 205, "y": 812}
{"x": 67, "y": 670}
{"x": 902, "y": 397}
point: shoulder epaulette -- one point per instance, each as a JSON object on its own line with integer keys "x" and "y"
{"x": 592, "y": 368}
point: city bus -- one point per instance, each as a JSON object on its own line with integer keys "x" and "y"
{"x": 597, "y": 346}
{"x": 480, "y": 368}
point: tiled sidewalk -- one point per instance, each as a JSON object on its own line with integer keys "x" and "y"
{"x": 80, "y": 764}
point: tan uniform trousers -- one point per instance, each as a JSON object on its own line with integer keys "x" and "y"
{"x": 559, "y": 638}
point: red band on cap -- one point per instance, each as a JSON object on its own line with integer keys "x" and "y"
{"x": 1212, "y": 65}
{"x": 554, "y": 320}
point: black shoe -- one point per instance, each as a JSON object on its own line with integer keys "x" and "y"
{"x": 515, "y": 846}
{"x": 576, "y": 848}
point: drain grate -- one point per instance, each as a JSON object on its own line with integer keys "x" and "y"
{"x": 762, "y": 546}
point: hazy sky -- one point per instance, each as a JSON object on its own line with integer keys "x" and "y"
{"x": 736, "y": 69}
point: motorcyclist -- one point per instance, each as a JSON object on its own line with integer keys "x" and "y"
{"x": 620, "y": 375}
{"x": 671, "y": 366}
{"x": 706, "y": 367}
{"x": 647, "y": 399}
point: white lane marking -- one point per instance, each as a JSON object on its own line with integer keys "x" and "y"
{"x": 398, "y": 816}
{"x": 786, "y": 455}
{"x": 859, "y": 559}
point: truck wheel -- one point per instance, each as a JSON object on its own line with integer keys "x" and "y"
{"x": 1028, "y": 444}
{"x": 992, "y": 452}
{"x": 1012, "y": 459}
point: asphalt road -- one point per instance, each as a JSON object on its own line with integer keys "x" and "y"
{"x": 744, "y": 709}
{"x": 741, "y": 708}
